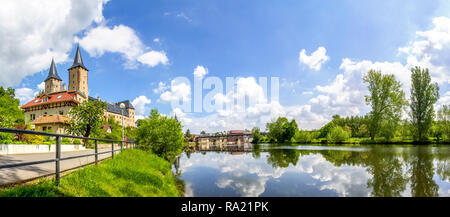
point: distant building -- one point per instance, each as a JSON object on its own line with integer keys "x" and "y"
{"x": 49, "y": 110}
{"x": 232, "y": 137}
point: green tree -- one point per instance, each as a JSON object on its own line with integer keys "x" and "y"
{"x": 10, "y": 113}
{"x": 436, "y": 130}
{"x": 443, "y": 118}
{"x": 203, "y": 132}
{"x": 386, "y": 99}
{"x": 281, "y": 130}
{"x": 87, "y": 118}
{"x": 281, "y": 158}
{"x": 337, "y": 135}
{"x": 423, "y": 95}
{"x": 188, "y": 135}
{"x": 160, "y": 134}
{"x": 303, "y": 136}
{"x": 256, "y": 135}
{"x": 323, "y": 132}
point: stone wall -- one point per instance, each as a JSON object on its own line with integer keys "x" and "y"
{"x": 28, "y": 149}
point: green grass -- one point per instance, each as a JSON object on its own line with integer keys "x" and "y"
{"x": 132, "y": 173}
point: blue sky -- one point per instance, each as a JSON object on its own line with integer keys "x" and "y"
{"x": 234, "y": 39}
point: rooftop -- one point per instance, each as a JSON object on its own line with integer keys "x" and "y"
{"x": 51, "y": 119}
{"x": 61, "y": 96}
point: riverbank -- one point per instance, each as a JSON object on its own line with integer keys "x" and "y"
{"x": 367, "y": 141}
{"x": 132, "y": 173}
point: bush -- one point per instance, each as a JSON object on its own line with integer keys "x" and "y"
{"x": 35, "y": 139}
{"x": 65, "y": 140}
{"x": 337, "y": 135}
{"x": 76, "y": 142}
{"x": 303, "y": 137}
{"x": 160, "y": 134}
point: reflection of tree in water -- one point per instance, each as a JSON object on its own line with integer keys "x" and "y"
{"x": 283, "y": 157}
{"x": 387, "y": 179}
{"x": 422, "y": 171}
{"x": 443, "y": 165}
{"x": 256, "y": 151}
{"x": 339, "y": 157}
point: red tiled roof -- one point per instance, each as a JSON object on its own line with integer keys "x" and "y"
{"x": 236, "y": 132}
{"x": 51, "y": 119}
{"x": 53, "y": 97}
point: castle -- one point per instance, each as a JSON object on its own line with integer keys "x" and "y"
{"x": 49, "y": 110}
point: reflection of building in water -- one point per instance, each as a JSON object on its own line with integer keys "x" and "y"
{"x": 177, "y": 164}
{"x": 232, "y": 148}
{"x": 232, "y": 137}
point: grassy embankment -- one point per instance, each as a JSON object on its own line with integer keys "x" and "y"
{"x": 132, "y": 173}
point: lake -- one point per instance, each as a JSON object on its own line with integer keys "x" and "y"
{"x": 316, "y": 171}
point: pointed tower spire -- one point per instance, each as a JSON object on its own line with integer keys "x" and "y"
{"x": 78, "y": 61}
{"x": 52, "y": 73}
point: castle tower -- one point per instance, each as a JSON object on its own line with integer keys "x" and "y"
{"x": 78, "y": 75}
{"x": 53, "y": 81}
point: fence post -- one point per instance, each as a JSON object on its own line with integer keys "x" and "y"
{"x": 112, "y": 149}
{"x": 121, "y": 146}
{"x": 58, "y": 157}
{"x": 96, "y": 153}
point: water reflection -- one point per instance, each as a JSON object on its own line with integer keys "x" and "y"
{"x": 274, "y": 170}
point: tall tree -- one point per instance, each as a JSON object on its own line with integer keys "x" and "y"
{"x": 87, "y": 118}
{"x": 423, "y": 95}
{"x": 386, "y": 99}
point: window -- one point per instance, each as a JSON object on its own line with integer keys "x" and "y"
{"x": 44, "y": 99}
{"x": 59, "y": 97}
{"x": 32, "y": 117}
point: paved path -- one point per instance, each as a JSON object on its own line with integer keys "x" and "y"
{"x": 17, "y": 174}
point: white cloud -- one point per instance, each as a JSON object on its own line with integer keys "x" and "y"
{"x": 307, "y": 93}
{"x": 315, "y": 60}
{"x": 161, "y": 88}
{"x": 32, "y": 32}
{"x": 184, "y": 16}
{"x": 178, "y": 91}
{"x": 200, "y": 72}
{"x": 24, "y": 94}
{"x": 139, "y": 105}
{"x": 121, "y": 39}
{"x": 153, "y": 58}
{"x": 156, "y": 40}
{"x": 41, "y": 86}
{"x": 27, "y": 94}
{"x": 431, "y": 49}
{"x": 445, "y": 99}
{"x": 345, "y": 95}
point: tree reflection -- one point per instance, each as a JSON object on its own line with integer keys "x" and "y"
{"x": 387, "y": 179}
{"x": 281, "y": 158}
{"x": 422, "y": 171}
{"x": 256, "y": 151}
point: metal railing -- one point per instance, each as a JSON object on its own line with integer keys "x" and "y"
{"x": 58, "y": 159}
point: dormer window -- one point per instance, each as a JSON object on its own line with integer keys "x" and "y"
{"x": 59, "y": 97}
{"x": 44, "y": 99}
